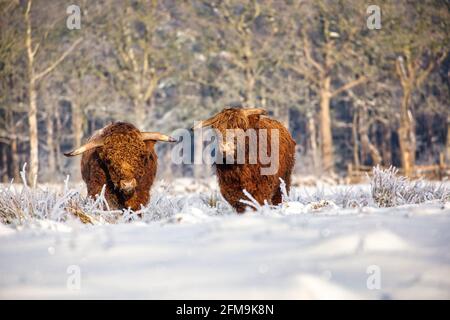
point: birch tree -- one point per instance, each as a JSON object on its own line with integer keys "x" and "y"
{"x": 35, "y": 75}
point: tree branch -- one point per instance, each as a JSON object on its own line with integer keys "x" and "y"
{"x": 349, "y": 85}
{"x": 428, "y": 70}
{"x": 58, "y": 61}
{"x": 306, "y": 49}
{"x": 304, "y": 73}
{"x": 400, "y": 69}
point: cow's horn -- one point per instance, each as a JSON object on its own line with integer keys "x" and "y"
{"x": 85, "y": 147}
{"x": 252, "y": 111}
{"x": 156, "y": 136}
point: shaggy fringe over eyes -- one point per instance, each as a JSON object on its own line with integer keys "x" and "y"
{"x": 123, "y": 147}
{"x": 231, "y": 119}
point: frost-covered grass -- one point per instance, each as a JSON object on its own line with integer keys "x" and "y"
{"x": 21, "y": 204}
{"x": 319, "y": 243}
{"x": 389, "y": 189}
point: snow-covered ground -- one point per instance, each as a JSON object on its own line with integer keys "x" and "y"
{"x": 322, "y": 243}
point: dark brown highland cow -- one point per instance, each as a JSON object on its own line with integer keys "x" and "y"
{"x": 234, "y": 178}
{"x": 122, "y": 158}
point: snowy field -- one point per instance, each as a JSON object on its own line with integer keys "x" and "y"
{"x": 387, "y": 240}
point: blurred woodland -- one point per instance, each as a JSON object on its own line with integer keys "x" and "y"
{"x": 347, "y": 93}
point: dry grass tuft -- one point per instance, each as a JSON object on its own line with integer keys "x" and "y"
{"x": 389, "y": 190}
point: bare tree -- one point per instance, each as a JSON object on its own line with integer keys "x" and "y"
{"x": 238, "y": 42}
{"x": 11, "y": 89}
{"x": 322, "y": 44}
{"x": 143, "y": 50}
{"x": 34, "y": 76}
{"x": 418, "y": 36}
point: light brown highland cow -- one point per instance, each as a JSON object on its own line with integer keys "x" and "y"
{"x": 234, "y": 178}
{"x": 122, "y": 158}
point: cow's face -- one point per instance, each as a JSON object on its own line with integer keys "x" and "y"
{"x": 125, "y": 156}
{"x": 231, "y": 125}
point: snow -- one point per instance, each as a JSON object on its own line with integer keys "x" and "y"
{"x": 321, "y": 243}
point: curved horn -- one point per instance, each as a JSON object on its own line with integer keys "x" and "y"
{"x": 252, "y": 111}
{"x": 85, "y": 147}
{"x": 156, "y": 136}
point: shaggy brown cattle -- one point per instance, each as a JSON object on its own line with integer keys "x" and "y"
{"x": 234, "y": 178}
{"x": 122, "y": 158}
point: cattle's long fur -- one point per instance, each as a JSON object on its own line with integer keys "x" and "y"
{"x": 234, "y": 178}
{"x": 123, "y": 156}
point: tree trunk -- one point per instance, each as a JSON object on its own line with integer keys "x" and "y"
{"x": 32, "y": 110}
{"x": 15, "y": 160}
{"x": 371, "y": 149}
{"x": 77, "y": 124}
{"x": 407, "y": 135}
{"x": 77, "y": 129}
{"x": 448, "y": 140}
{"x": 286, "y": 117}
{"x": 250, "y": 90}
{"x": 139, "y": 112}
{"x": 386, "y": 146}
{"x": 355, "y": 138}
{"x": 14, "y": 149}
{"x": 57, "y": 139}
{"x": 325, "y": 127}
{"x": 51, "y": 166}
{"x": 367, "y": 148}
{"x": 33, "y": 130}
{"x": 4, "y": 161}
{"x": 311, "y": 125}
{"x": 250, "y": 80}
